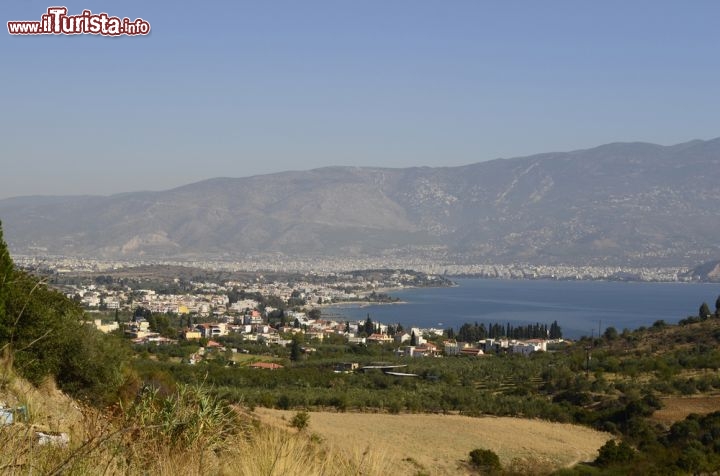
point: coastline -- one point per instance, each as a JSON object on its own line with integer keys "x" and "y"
{"x": 360, "y": 303}
{"x": 357, "y": 304}
{"x": 579, "y": 306}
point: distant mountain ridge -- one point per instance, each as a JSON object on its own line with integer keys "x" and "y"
{"x": 617, "y": 204}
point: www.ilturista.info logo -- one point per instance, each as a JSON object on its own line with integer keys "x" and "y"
{"x": 57, "y": 22}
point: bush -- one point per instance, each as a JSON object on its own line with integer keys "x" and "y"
{"x": 485, "y": 460}
{"x": 611, "y": 453}
{"x": 189, "y": 418}
{"x": 45, "y": 335}
{"x": 300, "y": 420}
{"x": 283, "y": 402}
{"x": 36, "y": 327}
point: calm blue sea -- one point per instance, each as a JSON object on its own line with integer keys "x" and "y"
{"x": 580, "y": 307}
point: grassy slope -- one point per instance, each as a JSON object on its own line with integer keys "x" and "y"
{"x": 678, "y": 408}
{"x": 103, "y": 444}
{"x": 438, "y": 444}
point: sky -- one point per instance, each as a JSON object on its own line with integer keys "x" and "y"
{"x": 241, "y": 88}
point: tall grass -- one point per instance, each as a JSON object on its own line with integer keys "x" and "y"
{"x": 190, "y": 418}
{"x": 188, "y": 432}
{"x": 271, "y": 451}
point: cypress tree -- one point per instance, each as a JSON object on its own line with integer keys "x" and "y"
{"x": 369, "y": 326}
{"x": 704, "y": 312}
{"x": 295, "y": 350}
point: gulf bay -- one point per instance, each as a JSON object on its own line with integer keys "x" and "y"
{"x": 580, "y": 307}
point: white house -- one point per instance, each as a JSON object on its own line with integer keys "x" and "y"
{"x": 452, "y": 347}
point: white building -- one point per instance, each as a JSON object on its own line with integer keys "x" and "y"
{"x": 452, "y": 347}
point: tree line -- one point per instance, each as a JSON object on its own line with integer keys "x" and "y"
{"x": 474, "y": 332}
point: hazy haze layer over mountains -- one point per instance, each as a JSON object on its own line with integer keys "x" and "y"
{"x": 618, "y": 204}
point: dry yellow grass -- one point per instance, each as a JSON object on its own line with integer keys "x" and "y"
{"x": 48, "y": 408}
{"x": 258, "y": 450}
{"x": 438, "y": 444}
{"x": 349, "y": 444}
{"x": 677, "y": 408}
{"x": 104, "y": 443}
{"x": 273, "y": 451}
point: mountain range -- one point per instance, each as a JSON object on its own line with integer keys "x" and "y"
{"x": 616, "y": 204}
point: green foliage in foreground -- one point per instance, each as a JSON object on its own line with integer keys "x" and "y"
{"x": 43, "y": 334}
{"x": 182, "y": 419}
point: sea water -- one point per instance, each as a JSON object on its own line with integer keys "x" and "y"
{"x": 579, "y": 307}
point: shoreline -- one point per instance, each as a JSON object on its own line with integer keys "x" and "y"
{"x": 358, "y": 304}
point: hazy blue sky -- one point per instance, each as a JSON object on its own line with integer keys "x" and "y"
{"x": 240, "y": 88}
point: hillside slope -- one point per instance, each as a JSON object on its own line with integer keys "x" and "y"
{"x": 438, "y": 444}
{"x": 625, "y": 203}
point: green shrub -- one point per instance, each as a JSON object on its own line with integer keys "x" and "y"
{"x": 485, "y": 460}
{"x": 300, "y": 420}
{"x": 189, "y": 418}
{"x": 613, "y": 453}
{"x": 44, "y": 333}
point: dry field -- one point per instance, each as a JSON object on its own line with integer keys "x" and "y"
{"x": 439, "y": 444}
{"x": 677, "y": 408}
